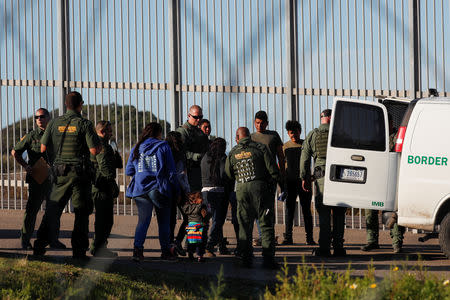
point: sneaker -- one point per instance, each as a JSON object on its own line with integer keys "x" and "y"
{"x": 179, "y": 249}
{"x": 397, "y": 249}
{"x": 103, "y": 252}
{"x": 256, "y": 242}
{"x": 209, "y": 254}
{"x": 370, "y": 247}
{"x": 138, "y": 254}
{"x": 319, "y": 252}
{"x": 339, "y": 252}
{"x": 270, "y": 264}
{"x": 57, "y": 245}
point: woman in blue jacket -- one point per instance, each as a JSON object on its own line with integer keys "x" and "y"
{"x": 153, "y": 184}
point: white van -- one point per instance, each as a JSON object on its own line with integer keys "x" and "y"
{"x": 413, "y": 180}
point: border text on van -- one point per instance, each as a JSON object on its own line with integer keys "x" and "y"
{"x": 427, "y": 160}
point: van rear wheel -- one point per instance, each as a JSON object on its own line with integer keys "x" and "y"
{"x": 444, "y": 235}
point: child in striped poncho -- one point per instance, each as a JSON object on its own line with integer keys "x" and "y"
{"x": 197, "y": 228}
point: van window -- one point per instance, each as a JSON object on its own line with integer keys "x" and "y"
{"x": 359, "y": 126}
{"x": 397, "y": 111}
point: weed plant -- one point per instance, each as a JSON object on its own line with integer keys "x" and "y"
{"x": 312, "y": 282}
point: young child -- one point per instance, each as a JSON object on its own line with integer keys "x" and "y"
{"x": 197, "y": 229}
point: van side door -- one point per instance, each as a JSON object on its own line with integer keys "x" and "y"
{"x": 360, "y": 170}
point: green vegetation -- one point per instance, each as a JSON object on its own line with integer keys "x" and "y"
{"x": 24, "y": 279}
{"x": 311, "y": 282}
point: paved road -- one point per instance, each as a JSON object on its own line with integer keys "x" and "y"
{"x": 123, "y": 233}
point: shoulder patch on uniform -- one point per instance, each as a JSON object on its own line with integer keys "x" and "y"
{"x": 23, "y": 137}
{"x": 243, "y": 155}
{"x": 70, "y": 129}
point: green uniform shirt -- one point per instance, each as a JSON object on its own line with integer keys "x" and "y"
{"x": 80, "y": 136}
{"x": 105, "y": 162}
{"x": 308, "y": 151}
{"x": 269, "y": 138}
{"x": 249, "y": 161}
{"x": 195, "y": 142}
{"x": 31, "y": 142}
{"x": 292, "y": 152}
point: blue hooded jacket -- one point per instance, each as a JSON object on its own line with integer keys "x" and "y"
{"x": 154, "y": 169}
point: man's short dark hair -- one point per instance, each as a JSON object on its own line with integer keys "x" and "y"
{"x": 73, "y": 100}
{"x": 44, "y": 110}
{"x": 325, "y": 113}
{"x": 203, "y": 121}
{"x": 293, "y": 126}
{"x": 262, "y": 115}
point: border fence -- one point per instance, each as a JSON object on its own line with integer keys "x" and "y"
{"x": 137, "y": 61}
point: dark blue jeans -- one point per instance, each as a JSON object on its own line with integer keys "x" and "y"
{"x": 218, "y": 203}
{"x": 145, "y": 204}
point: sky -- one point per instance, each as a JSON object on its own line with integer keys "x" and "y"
{"x": 342, "y": 44}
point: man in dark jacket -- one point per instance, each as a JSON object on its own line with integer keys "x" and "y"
{"x": 195, "y": 145}
{"x": 292, "y": 151}
{"x": 252, "y": 167}
{"x": 37, "y": 192}
{"x": 104, "y": 190}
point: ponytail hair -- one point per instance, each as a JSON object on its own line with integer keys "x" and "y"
{"x": 151, "y": 130}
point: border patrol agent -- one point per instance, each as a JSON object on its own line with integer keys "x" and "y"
{"x": 196, "y": 144}
{"x": 252, "y": 167}
{"x": 104, "y": 190}
{"x": 72, "y": 139}
{"x": 31, "y": 143}
{"x": 315, "y": 146}
{"x": 372, "y": 223}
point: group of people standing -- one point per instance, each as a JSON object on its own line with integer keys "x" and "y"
{"x": 188, "y": 172}
{"x": 191, "y": 171}
{"x": 69, "y": 159}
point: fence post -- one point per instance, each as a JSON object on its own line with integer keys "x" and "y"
{"x": 63, "y": 51}
{"x": 175, "y": 62}
{"x": 291, "y": 61}
{"x": 414, "y": 48}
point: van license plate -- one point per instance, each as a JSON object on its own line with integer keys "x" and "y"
{"x": 352, "y": 174}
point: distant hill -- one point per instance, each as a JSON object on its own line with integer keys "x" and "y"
{"x": 126, "y": 125}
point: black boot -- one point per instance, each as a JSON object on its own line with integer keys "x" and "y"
{"x": 223, "y": 250}
{"x": 138, "y": 254}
